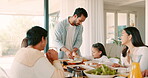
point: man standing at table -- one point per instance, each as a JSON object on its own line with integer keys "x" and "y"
{"x": 68, "y": 34}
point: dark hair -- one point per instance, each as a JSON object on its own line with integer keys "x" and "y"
{"x": 136, "y": 39}
{"x": 35, "y": 34}
{"x": 80, "y": 11}
{"x": 100, "y": 47}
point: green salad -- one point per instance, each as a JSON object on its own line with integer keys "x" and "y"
{"x": 103, "y": 70}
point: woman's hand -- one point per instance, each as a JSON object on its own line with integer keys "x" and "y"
{"x": 145, "y": 73}
{"x": 116, "y": 65}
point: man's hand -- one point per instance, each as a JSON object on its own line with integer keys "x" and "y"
{"x": 69, "y": 54}
{"x": 52, "y": 55}
{"x": 74, "y": 52}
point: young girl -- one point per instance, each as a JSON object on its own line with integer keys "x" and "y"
{"x": 98, "y": 51}
{"x": 99, "y": 54}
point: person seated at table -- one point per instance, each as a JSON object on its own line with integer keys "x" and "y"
{"x": 24, "y": 43}
{"x": 30, "y": 62}
{"x": 145, "y": 73}
{"x": 133, "y": 45}
{"x": 99, "y": 53}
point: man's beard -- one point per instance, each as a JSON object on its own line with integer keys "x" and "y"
{"x": 75, "y": 22}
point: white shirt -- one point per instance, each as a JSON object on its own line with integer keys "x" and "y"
{"x": 105, "y": 60}
{"x": 3, "y": 74}
{"x": 102, "y": 59}
{"x": 138, "y": 51}
{"x": 69, "y": 38}
{"x": 41, "y": 69}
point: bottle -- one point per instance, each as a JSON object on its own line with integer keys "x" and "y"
{"x": 135, "y": 67}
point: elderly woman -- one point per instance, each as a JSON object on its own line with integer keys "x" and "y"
{"x": 30, "y": 62}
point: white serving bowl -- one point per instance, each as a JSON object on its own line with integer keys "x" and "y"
{"x": 97, "y": 76}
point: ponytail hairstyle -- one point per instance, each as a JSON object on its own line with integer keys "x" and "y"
{"x": 100, "y": 47}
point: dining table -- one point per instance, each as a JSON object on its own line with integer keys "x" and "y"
{"x": 87, "y": 65}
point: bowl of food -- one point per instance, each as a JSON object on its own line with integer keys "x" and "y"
{"x": 101, "y": 72}
{"x": 74, "y": 67}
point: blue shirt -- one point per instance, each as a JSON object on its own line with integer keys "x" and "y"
{"x": 60, "y": 37}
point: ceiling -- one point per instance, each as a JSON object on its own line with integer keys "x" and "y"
{"x": 36, "y": 7}
{"x": 22, "y": 7}
{"x": 133, "y": 3}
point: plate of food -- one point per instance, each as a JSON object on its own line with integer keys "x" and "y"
{"x": 79, "y": 67}
{"x": 101, "y": 72}
{"x": 71, "y": 68}
{"x": 74, "y": 61}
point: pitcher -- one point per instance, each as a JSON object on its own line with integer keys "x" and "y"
{"x": 135, "y": 68}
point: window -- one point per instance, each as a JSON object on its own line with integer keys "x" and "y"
{"x": 110, "y": 26}
{"x": 122, "y": 23}
{"x": 116, "y": 22}
{"x": 13, "y": 29}
{"x": 53, "y": 18}
{"x": 132, "y": 19}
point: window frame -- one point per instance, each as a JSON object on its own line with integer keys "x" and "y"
{"x": 116, "y": 21}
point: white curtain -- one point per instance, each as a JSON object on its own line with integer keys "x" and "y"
{"x": 93, "y": 25}
{"x": 146, "y": 22}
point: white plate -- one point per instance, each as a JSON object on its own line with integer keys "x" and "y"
{"x": 74, "y": 61}
{"x": 121, "y": 69}
{"x": 97, "y": 76}
{"x": 83, "y": 66}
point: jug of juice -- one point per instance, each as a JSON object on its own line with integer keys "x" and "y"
{"x": 135, "y": 68}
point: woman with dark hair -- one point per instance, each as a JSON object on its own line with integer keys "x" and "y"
{"x": 133, "y": 45}
{"x": 30, "y": 62}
